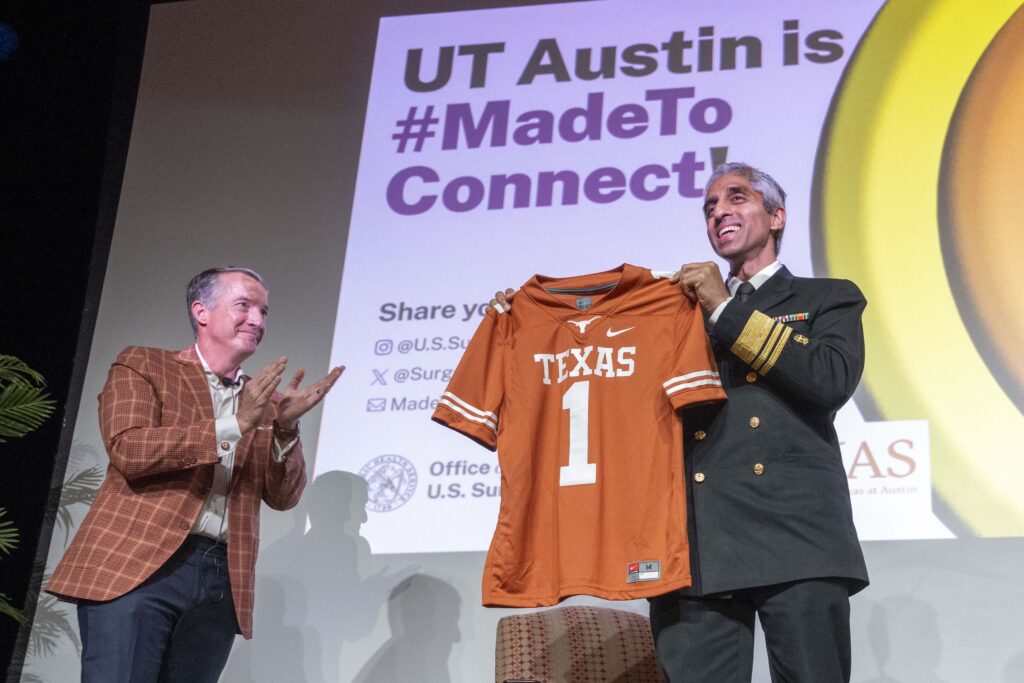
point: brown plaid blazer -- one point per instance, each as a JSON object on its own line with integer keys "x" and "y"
{"x": 157, "y": 422}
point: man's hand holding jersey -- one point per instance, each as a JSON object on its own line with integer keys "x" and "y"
{"x": 703, "y": 283}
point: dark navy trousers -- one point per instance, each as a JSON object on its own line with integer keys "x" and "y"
{"x": 177, "y": 626}
{"x": 806, "y": 628}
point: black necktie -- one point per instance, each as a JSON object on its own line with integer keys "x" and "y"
{"x": 744, "y": 291}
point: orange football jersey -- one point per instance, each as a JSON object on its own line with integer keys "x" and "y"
{"x": 576, "y": 387}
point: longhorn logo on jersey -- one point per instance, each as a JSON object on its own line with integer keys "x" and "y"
{"x": 582, "y": 324}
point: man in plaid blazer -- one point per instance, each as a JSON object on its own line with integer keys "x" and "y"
{"x": 162, "y": 566}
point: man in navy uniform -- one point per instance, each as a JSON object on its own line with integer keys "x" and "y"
{"x": 770, "y": 523}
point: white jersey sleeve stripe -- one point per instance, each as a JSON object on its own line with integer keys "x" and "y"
{"x": 471, "y": 408}
{"x": 470, "y": 412}
{"x": 487, "y": 422}
{"x": 693, "y": 385}
{"x": 691, "y": 375}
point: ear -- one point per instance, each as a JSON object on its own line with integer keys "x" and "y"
{"x": 200, "y": 313}
{"x": 778, "y": 220}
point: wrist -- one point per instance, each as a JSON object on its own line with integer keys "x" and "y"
{"x": 286, "y": 432}
{"x": 244, "y": 425}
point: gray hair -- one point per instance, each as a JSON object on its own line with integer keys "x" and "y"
{"x": 773, "y": 197}
{"x": 205, "y": 287}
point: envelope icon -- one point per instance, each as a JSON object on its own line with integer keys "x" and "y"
{"x": 376, "y": 405}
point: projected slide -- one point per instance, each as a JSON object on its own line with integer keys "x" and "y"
{"x": 569, "y": 139}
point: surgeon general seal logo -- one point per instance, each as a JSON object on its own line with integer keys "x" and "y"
{"x": 391, "y": 480}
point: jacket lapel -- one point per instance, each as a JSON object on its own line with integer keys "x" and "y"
{"x": 195, "y": 380}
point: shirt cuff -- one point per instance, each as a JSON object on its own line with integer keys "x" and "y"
{"x": 228, "y": 430}
{"x": 718, "y": 311}
{"x": 281, "y": 452}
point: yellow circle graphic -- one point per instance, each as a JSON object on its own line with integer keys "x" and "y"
{"x": 877, "y": 210}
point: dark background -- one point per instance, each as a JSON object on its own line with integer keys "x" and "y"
{"x": 66, "y": 98}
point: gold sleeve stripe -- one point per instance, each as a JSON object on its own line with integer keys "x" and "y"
{"x": 753, "y": 337}
{"x": 766, "y": 350}
{"x": 770, "y": 363}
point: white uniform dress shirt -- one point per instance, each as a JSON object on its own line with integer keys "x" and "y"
{"x": 733, "y": 283}
{"x": 213, "y": 519}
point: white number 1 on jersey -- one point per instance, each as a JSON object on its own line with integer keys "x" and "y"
{"x": 577, "y": 401}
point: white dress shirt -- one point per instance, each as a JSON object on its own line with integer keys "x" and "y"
{"x": 213, "y": 519}
{"x": 733, "y": 283}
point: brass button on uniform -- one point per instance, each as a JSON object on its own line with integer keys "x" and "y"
{"x": 183, "y": 526}
{"x": 700, "y": 435}
{"x": 751, "y": 377}
{"x": 758, "y": 469}
{"x": 698, "y": 477}
{"x": 754, "y": 422}
{"x": 225, "y": 445}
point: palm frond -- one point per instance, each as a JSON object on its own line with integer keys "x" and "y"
{"x": 81, "y": 486}
{"x": 11, "y": 611}
{"x": 23, "y": 408}
{"x": 84, "y": 454}
{"x": 50, "y": 626}
{"x": 63, "y": 518}
{"x": 13, "y": 369}
{"x": 8, "y": 534}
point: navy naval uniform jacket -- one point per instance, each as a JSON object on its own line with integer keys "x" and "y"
{"x": 767, "y": 491}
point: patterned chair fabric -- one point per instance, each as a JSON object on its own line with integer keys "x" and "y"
{"x": 578, "y": 644}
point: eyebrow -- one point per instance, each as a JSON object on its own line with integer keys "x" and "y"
{"x": 249, "y": 300}
{"x": 729, "y": 191}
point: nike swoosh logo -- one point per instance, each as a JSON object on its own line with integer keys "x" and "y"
{"x": 616, "y": 333}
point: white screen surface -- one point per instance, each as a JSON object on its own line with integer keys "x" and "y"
{"x": 469, "y": 116}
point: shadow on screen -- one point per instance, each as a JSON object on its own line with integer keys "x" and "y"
{"x": 905, "y": 640}
{"x": 1014, "y": 669}
{"x": 316, "y": 589}
{"x": 423, "y": 612}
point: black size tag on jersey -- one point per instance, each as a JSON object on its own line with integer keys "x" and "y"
{"x": 584, "y": 302}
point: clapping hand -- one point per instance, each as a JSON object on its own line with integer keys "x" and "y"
{"x": 256, "y": 394}
{"x": 297, "y": 402}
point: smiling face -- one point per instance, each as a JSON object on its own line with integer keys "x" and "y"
{"x": 739, "y": 229}
{"x": 233, "y": 325}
